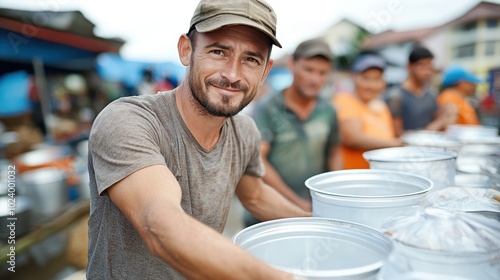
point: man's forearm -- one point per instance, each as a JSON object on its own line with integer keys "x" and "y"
{"x": 273, "y": 179}
{"x": 185, "y": 244}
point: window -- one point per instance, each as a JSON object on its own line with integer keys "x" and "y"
{"x": 465, "y": 51}
{"x": 491, "y": 23}
{"x": 489, "y": 48}
{"x": 469, "y": 26}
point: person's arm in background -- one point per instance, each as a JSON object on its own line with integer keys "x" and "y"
{"x": 335, "y": 158}
{"x": 150, "y": 198}
{"x": 394, "y": 102}
{"x": 354, "y": 137}
{"x": 447, "y": 114}
{"x": 273, "y": 179}
{"x": 264, "y": 202}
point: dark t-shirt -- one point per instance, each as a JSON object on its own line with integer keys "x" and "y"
{"x": 415, "y": 111}
{"x": 135, "y": 132}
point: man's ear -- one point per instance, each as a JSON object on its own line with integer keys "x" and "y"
{"x": 269, "y": 66}
{"x": 185, "y": 49}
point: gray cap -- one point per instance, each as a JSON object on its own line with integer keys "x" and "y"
{"x": 214, "y": 14}
{"x": 312, "y": 48}
{"x": 368, "y": 61}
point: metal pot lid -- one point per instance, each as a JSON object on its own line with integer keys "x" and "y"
{"x": 444, "y": 230}
{"x": 409, "y": 154}
{"x": 42, "y": 176}
{"x": 316, "y": 247}
{"x": 472, "y": 180}
{"x": 429, "y": 139}
{"x": 465, "y": 199}
{"x": 369, "y": 183}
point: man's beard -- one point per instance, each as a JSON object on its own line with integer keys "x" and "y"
{"x": 224, "y": 110}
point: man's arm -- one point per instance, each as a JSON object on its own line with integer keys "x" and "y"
{"x": 264, "y": 202}
{"x": 273, "y": 179}
{"x": 447, "y": 114}
{"x": 150, "y": 198}
{"x": 335, "y": 158}
{"x": 353, "y": 137}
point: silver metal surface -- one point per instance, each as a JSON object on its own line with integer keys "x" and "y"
{"x": 47, "y": 188}
{"x": 366, "y": 196}
{"x": 435, "y": 164}
{"x": 317, "y": 248}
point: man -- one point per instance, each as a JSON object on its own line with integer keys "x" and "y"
{"x": 459, "y": 84}
{"x": 164, "y": 167}
{"x": 299, "y": 128}
{"x": 364, "y": 119}
{"x": 412, "y": 105}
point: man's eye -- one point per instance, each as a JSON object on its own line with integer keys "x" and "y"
{"x": 218, "y": 52}
{"x": 253, "y": 60}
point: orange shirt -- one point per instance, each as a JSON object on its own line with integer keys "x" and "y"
{"x": 466, "y": 113}
{"x": 376, "y": 121}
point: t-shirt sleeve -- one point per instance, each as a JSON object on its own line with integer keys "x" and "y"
{"x": 334, "y": 137}
{"x": 123, "y": 140}
{"x": 255, "y": 165}
{"x": 393, "y": 99}
{"x": 346, "y": 107}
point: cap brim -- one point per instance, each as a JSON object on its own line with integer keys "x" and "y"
{"x": 312, "y": 52}
{"x": 219, "y": 21}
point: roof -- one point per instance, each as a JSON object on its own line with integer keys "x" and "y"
{"x": 481, "y": 10}
{"x": 395, "y": 37}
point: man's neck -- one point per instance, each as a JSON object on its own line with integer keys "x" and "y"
{"x": 205, "y": 128}
{"x": 300, "y": 105}
{"x": 414, "y": 87}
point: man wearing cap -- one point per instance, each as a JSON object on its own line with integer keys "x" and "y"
{"x": 299, "y": 128}
{"x": 365, "y": 120}
{"x": 161, "y": 182}
{"x": 459, "y": 84}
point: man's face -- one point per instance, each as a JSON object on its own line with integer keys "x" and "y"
{"x": 467, "y": 87}
{"x": 421, "y": 70}
{"x": 369, "y": 84}
{"x": 310, "y": 75}
{"x": 226, "y": 68}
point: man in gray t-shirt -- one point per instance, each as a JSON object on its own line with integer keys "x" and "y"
{"x": 163, "y": 167}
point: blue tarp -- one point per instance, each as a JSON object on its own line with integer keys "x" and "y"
{"x": 14, "y": 90}
{"x": 112, "y": 67}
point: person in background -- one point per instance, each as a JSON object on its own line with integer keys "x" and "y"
{"x": 147, "y": 86}
{"x": 299, "y": 129}
{"x": 459, "y": 84}
{"x": 162, "y": 180}
{"x": 364, "y": 119}
{"x": 412, "y": 104}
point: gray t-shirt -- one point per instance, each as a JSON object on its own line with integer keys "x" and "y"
{"x": 415, "y": 111}
{"x": 135, "y": 132}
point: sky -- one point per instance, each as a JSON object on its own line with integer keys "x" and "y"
{"x": 151, "y": 28}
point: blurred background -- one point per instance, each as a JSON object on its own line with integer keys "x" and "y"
{"x": 63, "y": 61}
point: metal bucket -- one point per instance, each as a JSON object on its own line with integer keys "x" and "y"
{"x": 317, "y": 248}
{"x": 431, "y": 139}
{"x": 443, "y": 243}
{"x": 366, "y": 196}
{"x": 435, "y": 164}
{"x": 48, "y": 190}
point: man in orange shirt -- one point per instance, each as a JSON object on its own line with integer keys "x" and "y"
{"x": 460, "y": 84}
{"x": 365, "y": 120}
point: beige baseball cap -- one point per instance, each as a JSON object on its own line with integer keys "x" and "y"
{"x": 213, "y": 14}
{"x": 313, "y": 47}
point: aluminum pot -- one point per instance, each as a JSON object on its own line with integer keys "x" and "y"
{"x": 464, "y": 132}
{"x": 445, "y": 243}
{"x": 366, "y": 196}
{"x": 317, "y": 248}
{"x": 48, "y": 190}
{"x": 22, "y": 209}
{"x": 435, "y": 164}
{"x": 431, "y": 139}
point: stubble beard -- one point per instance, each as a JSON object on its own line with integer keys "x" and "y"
{"x": 208, "y": 108}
